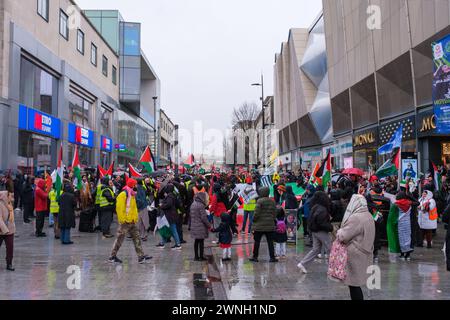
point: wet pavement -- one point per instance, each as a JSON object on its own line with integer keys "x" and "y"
{"x": 41, "y": 265}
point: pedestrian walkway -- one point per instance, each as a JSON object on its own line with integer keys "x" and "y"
{"x": 41, "y": 265}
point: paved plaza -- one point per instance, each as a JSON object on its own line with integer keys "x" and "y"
{"x": 41, "y": 265}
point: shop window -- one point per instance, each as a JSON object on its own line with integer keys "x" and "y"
{"x": 80, "y": 110}
{"x": 38, "y": 88}
{"x": 105, "y": 122}
{"x": 34, "y": 152}
{"x": 84, "y": 154}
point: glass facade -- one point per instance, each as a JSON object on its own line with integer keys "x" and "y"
{"x": 38, "y": 88}
{"x": 34, "y": 152}
{"x": 80, "y": 111}
{"x": 107, "y": 23}
{"x": 84, "y": 154}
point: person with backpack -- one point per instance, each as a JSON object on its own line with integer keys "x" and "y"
{"x": 225, "y": 236}
{"x": 280, "y": 234}
{"x": 142, "y": 204}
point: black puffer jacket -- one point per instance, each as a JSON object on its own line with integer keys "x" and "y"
{"x": 224, "y": 229}
{"x": 169, "y": 206}
{"x": 319, "y": 219}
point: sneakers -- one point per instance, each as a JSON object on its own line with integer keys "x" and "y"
{"x": 226, "y": 259}
{"x": 144, "y": 259}
{"x": 176, "y": 247}
{"x": 273, "y": 260}
{"x": 254, "y": 260}
{"x": 160, "y": 246}
{"x": 9, "y": 267}
{"x": 114, "y": 260}
{"x": 41, "y": 235}
{"x": 108, "y": 236}
{"x": 302, "y": 268}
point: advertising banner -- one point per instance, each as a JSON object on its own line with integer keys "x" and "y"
{"x": 409, "y": 169}
{"x": 441, "y": 84}
{"x": 106, "y": 144}
{"x": 81, "y": 136}
{"x": 39, "y": 122}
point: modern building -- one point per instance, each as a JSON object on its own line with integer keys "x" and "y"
{"x": 302, "y": 110}
{"x": 381, "y": 78}
{"x": 137, "y": 123}
{"x": 166, "y": 141}
{"x": 59, "y": 85}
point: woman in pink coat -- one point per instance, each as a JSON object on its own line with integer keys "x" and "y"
{"x": 7, "y": 226}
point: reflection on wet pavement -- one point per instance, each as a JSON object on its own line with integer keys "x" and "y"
{"x": 41, "y": 266}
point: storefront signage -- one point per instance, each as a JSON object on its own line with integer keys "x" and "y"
{"x": 120, "y": 147}
{"x": 428, "y": 123}
{"x": 105, "y": 144}
{"x": 365, "y": 138}
{"x": 81, "y": 136}
{"x": 39, "y": 122}
{"x": 441, "y": 84}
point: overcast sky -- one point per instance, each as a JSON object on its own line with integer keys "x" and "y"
{"x": 208, "y": 52}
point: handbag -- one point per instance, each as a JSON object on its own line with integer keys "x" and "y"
{"x": 338, "y": 261}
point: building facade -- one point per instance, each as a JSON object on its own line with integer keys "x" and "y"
{"x": 59, "y": 86}
{"x": 302, "y": 109}
{"x": 166, "y": 141}
{"x": 381, "y": 78}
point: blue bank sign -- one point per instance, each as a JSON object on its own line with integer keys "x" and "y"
{"x": 106, "y": 144}
{"x": 81, "y": 136}
{"x": 39, "y": 122}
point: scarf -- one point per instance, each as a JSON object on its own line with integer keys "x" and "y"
{"x": 357, "y": 204}
{"x": 403, "y": 204}
{"x": 130, "y": 194}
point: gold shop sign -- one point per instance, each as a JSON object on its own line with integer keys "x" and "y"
{"x": 364, "y": 139}
{"x": 428, "y": 123}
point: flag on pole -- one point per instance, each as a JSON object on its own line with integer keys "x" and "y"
{"x": 436, "y": 176}
{"x": 314, "y": 180}
{"x": 101, "y": 172}
{"x": 134, "y": 173}
{"x": 390, "y": 167}
{"x": 48, "y": 181}
{"x": 111, "y": 170}
{"x": 190, "y": 162}
{"x": 266, "y": 181}
{"x": 393, "y": 143}
{"x": 148, "y": 161}
{"x": 77, "y": 182}
{"x": 59, "y": 174}
{"x": 324, "y": 172}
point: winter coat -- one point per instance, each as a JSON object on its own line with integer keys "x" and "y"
{"x": 67, "y": 205}
{"x": 320, "y": 219}
{"x": 265, "y": 212}
{"x": 7, "y": 225}
{"x": 280, "y": 237}
{"x": 290, "y": 200}
{"x": 141, "y": 198}
{"x": 121, "y": 209}
{"x": 217, "y": 207}
{"x": 40, "y": 197}
{"x": 426, "y": 206}
{"x": 110, "y": 196}
{"x": 199, "y": 219}
{"x": 169, "y": 207}
{"x": 358, "y": 233}
{"x": 224, "y": 229}
{"x": 27, "y": 196}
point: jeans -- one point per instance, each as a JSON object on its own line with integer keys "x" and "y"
{"x": 321, "y": 242}
{"x": 40, "y": 220}
{"x": 51, "y": 219}
{"x": 9, "y": 241}
{"x": 226, "y": 253}
{"x": 173, "y": 229}
{"x": 269, "y": 238}
{"x": 65, "y": 235}
{"x": 143, "y": 223}
{"x": 248, "y": 215}
{"x": 280, "y": 249}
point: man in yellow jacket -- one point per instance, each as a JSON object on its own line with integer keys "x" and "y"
{"x": 127, "y": 214}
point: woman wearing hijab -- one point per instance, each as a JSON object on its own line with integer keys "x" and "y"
{"x": 7, "y": 226}
{"x": 358, "y": 234}
{"x": 427, "y": 216}
{"x": 290, "y": 200}
{"x": 401, "y": 211}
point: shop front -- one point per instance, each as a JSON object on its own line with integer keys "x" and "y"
{"x": 365, "y": 149}
{"x": 433, "y": 145}
{"x": 332, "y": 149}
{"x": 84, "y": 138}
{"x": 106, "y": 148}
{"x": 344, "y": 153}
{"x": 309, "y": 158}
{"x": 38, "y": 133}
{"x": 285, "y": 162}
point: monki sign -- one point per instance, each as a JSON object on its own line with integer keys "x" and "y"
{"x": 428, "y": 123}
{"x": 365, "y": 138}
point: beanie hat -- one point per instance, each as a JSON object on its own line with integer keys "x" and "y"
{"x": 131, "y": 183}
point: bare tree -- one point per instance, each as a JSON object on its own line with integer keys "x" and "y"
{"x": 244, "y": 116}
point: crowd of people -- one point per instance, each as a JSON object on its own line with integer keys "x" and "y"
{"x": 359, "y": 212}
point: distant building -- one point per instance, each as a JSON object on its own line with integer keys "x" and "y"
{"x": 166, "y": 141}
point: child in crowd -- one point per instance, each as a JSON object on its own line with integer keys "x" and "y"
{"x": 280, "y": 234}
{"x": 225, "y": 236}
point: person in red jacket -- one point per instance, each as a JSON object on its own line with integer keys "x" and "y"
{"x": 217, "y": 205}
{"x": 41, "y": 207}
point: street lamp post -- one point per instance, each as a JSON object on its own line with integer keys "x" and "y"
{"x": 154, "y": 127}
{"x": 177, "y": 158}
{"x": 263, "y": 118}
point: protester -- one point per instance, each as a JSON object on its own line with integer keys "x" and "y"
{"x": 7, "y": 227}
{"x": 41, "y": 206}
{"x": 199, "y": 224}
{"x": 225, "y": 236}
{"x": 142, "y": 206}
{"x": 427, "y": 216}
{"x": 127, "y": 215}
{"x": 280, "y": 234}
{"x": 358, "y": 234}
{"x": 249, "y": 207}
{"x": 27, "y": 199}
{"x": 263, "y": 223}
{"x": 169, "y": 207}
{"x": 66, "y": 216}
{"x": 54, "y": 210}
{"x": 106, "y": 207}
{"x": 319, "y": 224}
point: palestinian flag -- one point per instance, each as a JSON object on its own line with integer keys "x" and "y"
{"x": 314, "y": 179}
{"x": 436, "y": 176}
{"x": 148, "y": 161}
{"x": 390, "y": 167}
{"x": 190, "y": 162}
{"x": 324, "y": 172}
{"x": 77, "y": 182}
{"x": 163, "y": 227}
{"x": 101, "y": 172}
{"x": 134, "y": 173}
{"x": 59, "y": 174}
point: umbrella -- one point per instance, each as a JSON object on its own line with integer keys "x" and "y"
{"x": 355, "y": 171}
{"x": 158, "y": 173}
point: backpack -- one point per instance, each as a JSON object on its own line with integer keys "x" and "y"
{"x": 281, "y": 227}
